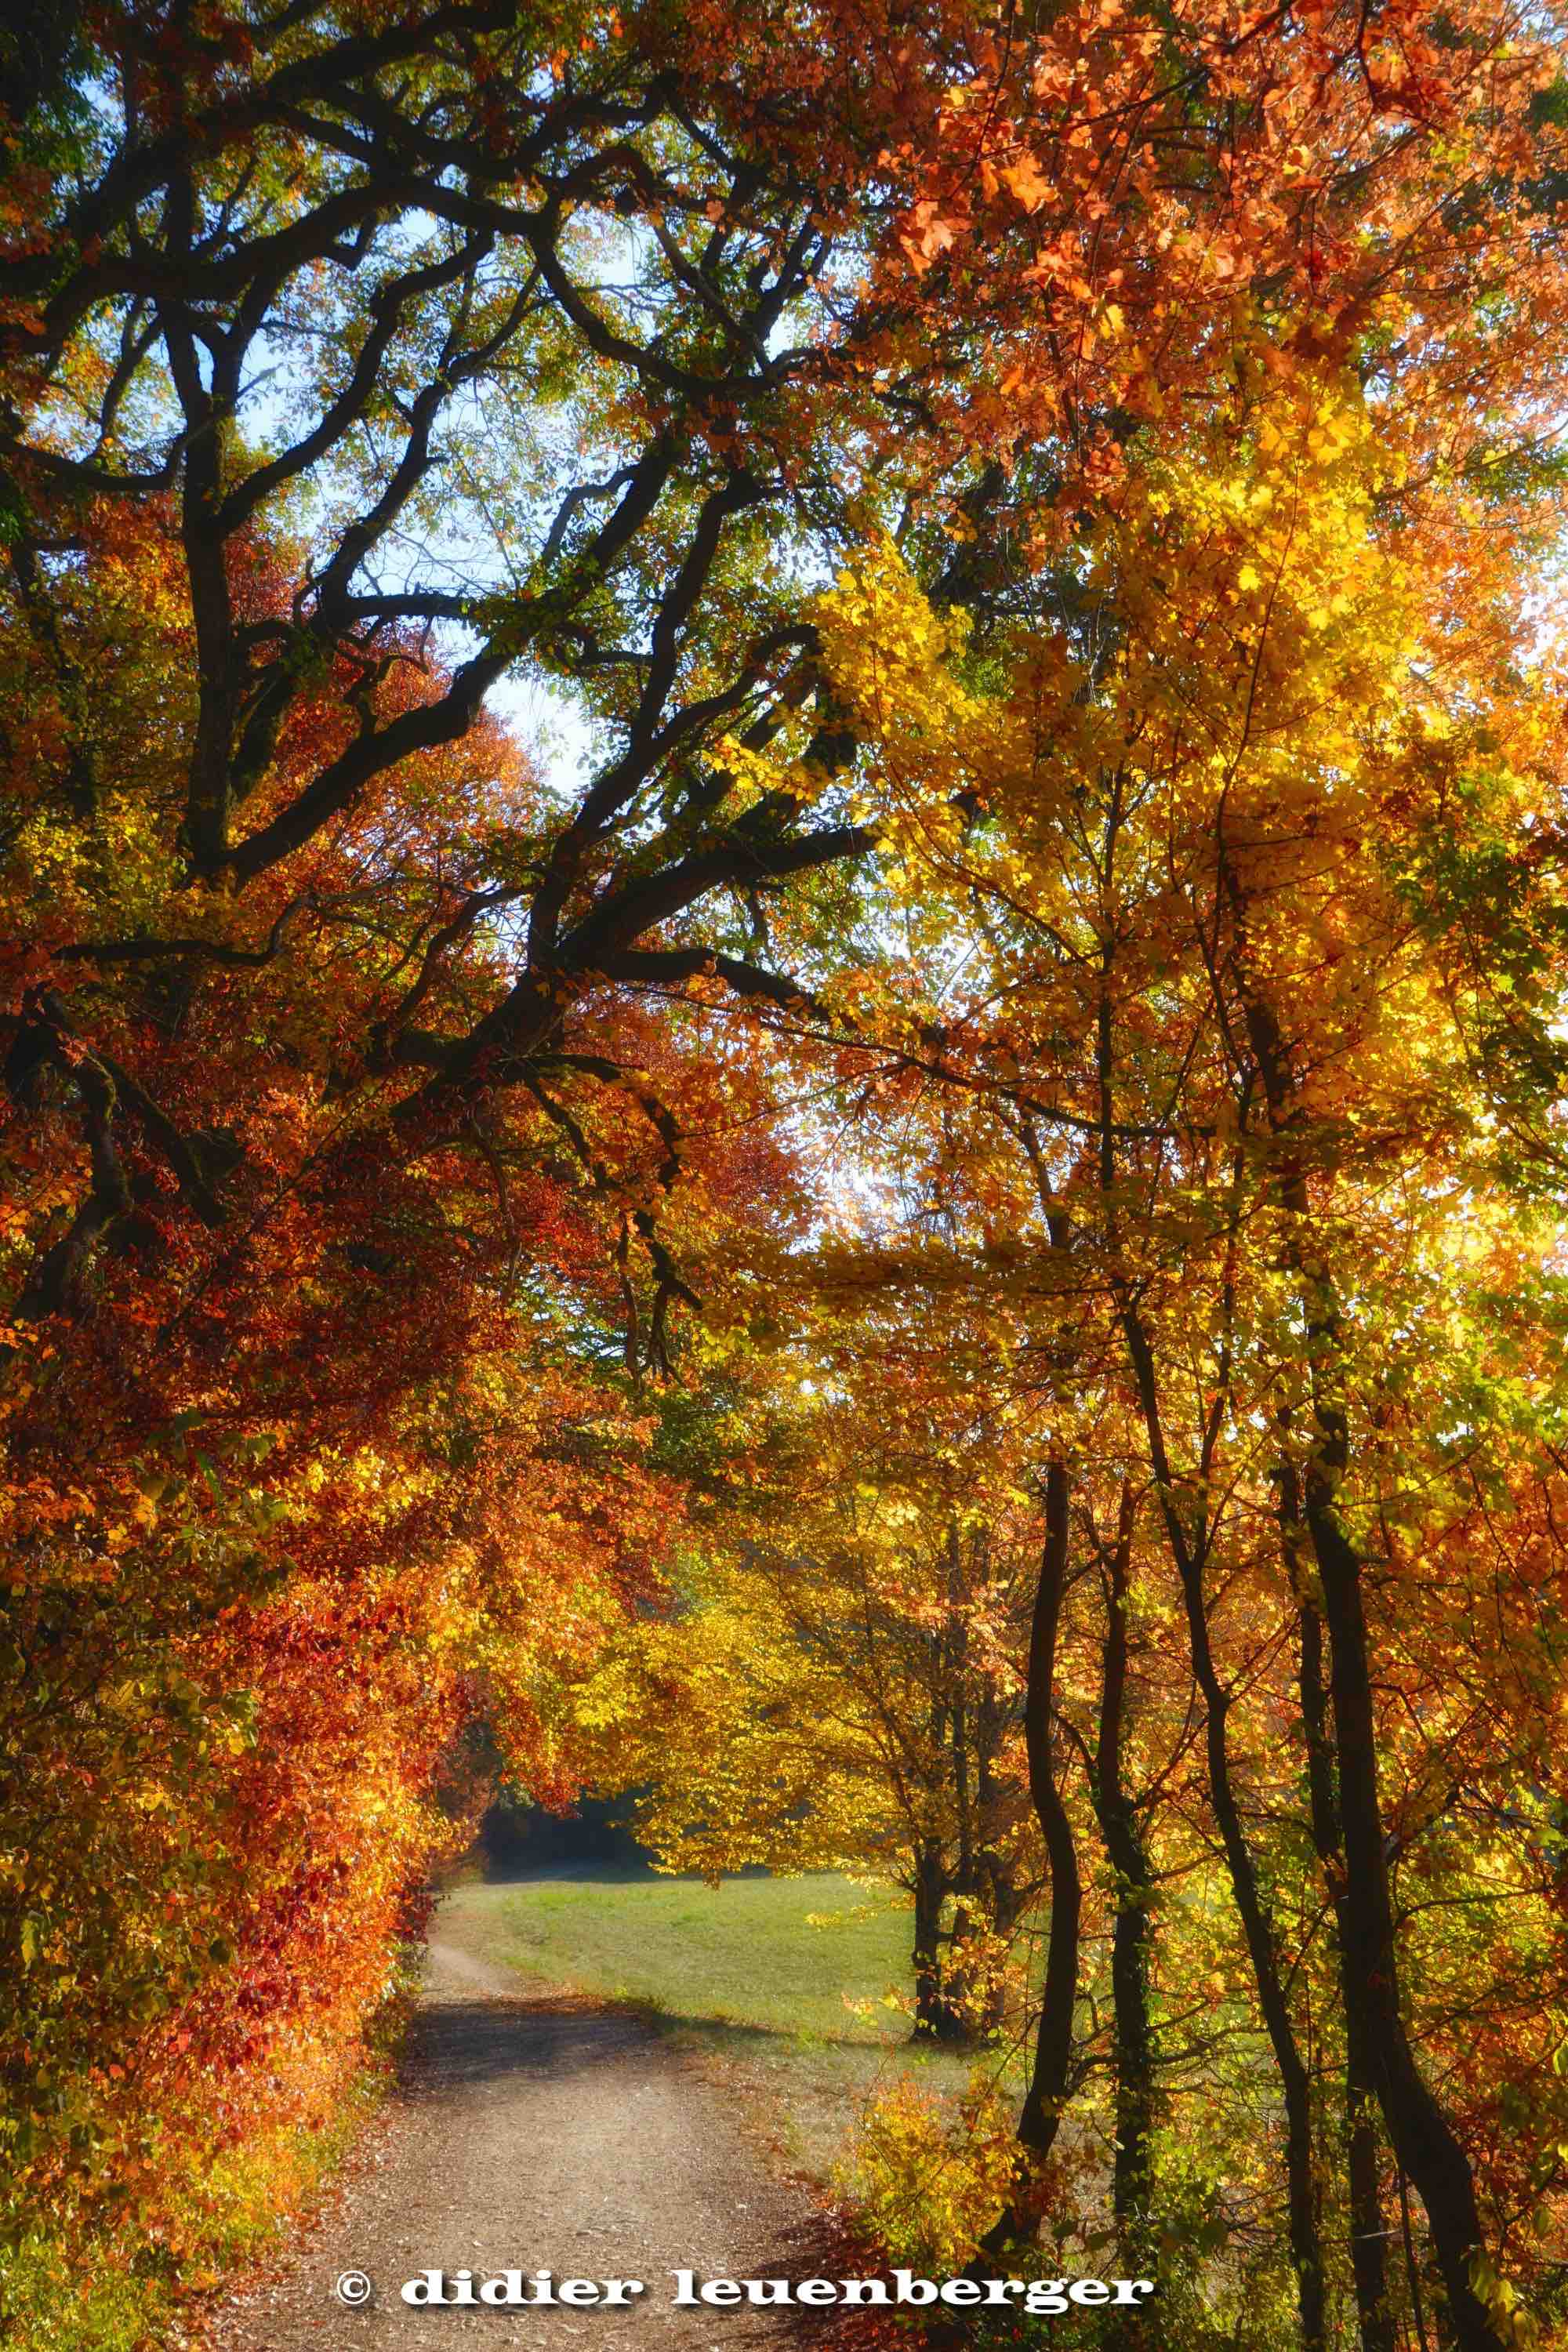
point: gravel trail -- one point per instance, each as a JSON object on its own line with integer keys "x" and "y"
{"x": 539, "y": 2133}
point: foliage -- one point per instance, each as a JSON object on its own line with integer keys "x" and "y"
{"x": 921, "y": 2177}
{"x": 1033, "y": 536}
{"x": 841, "y": 1688}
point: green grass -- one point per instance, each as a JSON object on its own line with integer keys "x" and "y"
{"x": 795, "y": 2012}
{"x": 743, "y": 1953}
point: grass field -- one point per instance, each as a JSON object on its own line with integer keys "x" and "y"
{"x": 783, "y": 1981}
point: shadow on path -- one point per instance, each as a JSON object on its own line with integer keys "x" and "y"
{"x": 543, "y": 2135}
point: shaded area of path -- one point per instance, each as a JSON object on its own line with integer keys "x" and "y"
{"x": 538, "y": 2135}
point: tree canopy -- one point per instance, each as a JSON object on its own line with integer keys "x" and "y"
{"x": 784, "y": 843}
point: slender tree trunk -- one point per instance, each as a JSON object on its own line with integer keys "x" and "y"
{"x": 1042, "y": 2108}
{"x": 1423, "y": 2139}
{"x": 1306, "y": 2252}
{"x": 1368, "y": 2244}
{"x": 1369, "y": 2240}
{"x": 1052, "y": 2068}
{"x": 1134, "y": 2053}
{"x": 935, "y": 2018}
{"x": 1001, "y": 1902}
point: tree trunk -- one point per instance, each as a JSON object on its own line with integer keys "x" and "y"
{"x": 998, "y": 1893}
{"x": 1049, "y": 2078}
{"x": 1295, "y": 2089}
{"x": 1305, "y": 2251}
{"x": 1424, "y": 2142}
{"x": 1368, "y": 2245}
{"x": 1051, "y": 2072}
{"x": 1423, "y": 2139}
{"x": 935, "y": 2018}
{"x": 1134, "y": 2054}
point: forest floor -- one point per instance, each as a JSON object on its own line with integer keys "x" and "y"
{"x": 540, "y": 2130}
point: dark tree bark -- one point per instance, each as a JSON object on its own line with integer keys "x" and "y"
{"x": 1368, "y": 2242}
{"x": 1118, "y": 1819}
{"x": 1423, "y": 2141}
{"x": 1051, "y": 2074}
{"x": 996, "y": 1893}
{"x": 937, "y": 2017}
{"x": 1187, "y": 1551}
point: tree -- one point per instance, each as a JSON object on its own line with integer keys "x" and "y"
{"x": 1263, "y": 712}
{"x": 353, "y": 371}
{"x": 834, "y": 1682}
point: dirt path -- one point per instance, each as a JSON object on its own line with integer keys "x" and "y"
{"x": 538, "y": 2135}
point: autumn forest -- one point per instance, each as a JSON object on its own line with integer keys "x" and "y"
{"x": 784, "y": 990}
